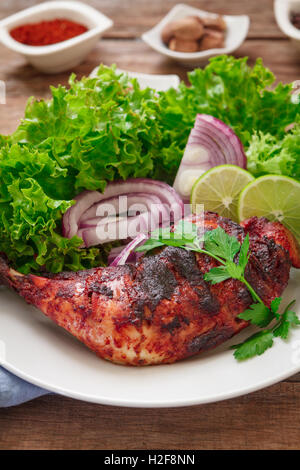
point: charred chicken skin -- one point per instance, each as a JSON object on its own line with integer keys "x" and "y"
{"x": 161, "y": 310}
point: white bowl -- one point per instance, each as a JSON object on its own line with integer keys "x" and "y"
{"x": 158, "y": 82}
{"x": 283, "y": 9}
{"x": 237, "y": 29}
{"x": 63, "y": 55}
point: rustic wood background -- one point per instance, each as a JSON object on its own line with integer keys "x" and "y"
{"x": 268, "y": 419}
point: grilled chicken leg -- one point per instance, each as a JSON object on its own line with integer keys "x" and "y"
{"x": 161, "y": 310}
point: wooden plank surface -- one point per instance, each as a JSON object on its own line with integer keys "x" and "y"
{"x": 268, "y": 419}
{"x": 134, "y": 17}
{"x": 23, "y": 81}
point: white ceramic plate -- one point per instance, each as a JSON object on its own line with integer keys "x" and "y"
{"x": 40, "y": 352}
{"x": 159, "y": 82}
{"x": 37, "y": 350}
{"x": 282, "y": 10}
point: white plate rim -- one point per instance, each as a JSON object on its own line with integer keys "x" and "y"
{"x": 151, "y": 404}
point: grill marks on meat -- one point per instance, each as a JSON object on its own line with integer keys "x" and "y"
{"x": 161, "y": 310}
{"x": 154, "y": 282}
{"x": 186, "y": 266}
{"x": 261, "y": 228}
{"x": 210, "y": 340}
{"x": 264, "y": 271}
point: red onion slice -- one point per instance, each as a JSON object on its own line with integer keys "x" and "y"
{"x": 121, "y": 229}
{"x": 168, "y": 207}
{"x": 98, "y": 221}
{"x": 132, "y": 258}
{"x": 114, "y": 252}
{"x": 120, "y": 205}
{"x": 211, "y": 143}
{"x": 73, "y": 214}
{"x": 128, "y": 250}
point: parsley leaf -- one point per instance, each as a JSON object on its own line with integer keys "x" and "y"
{"x": 256, "y": 345}
{"x": 275, "y": 304}
{"x": 244, "y": 253}
{"x": 234, "y": 270}
{"x": 219, "y": 243}
{"x": 221, "y": 273}
{"x": 186, "y": 230}
{"x": 260, "y": 315}
{"x": 257, "y": 314}
{"x": 216, "y": 275}
{"x": 149, "y": 245}
{"x": 184, "y": 235}
{"x": 288, "y": 320}
{"x": 164, "y": 236}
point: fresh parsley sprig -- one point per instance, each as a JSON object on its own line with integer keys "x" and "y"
{"x": 233, "y": 258}
{"x": 217, "y": 244}
{"x": 258, "y": 343}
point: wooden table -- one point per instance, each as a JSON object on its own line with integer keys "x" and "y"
{"x": 268, "y": 419}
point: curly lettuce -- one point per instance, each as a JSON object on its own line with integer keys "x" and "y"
{"x": 232, "y": 91}
{"x": 99, "y": 129}
{"x": 31, "y": 214}
{"x": 266, "y": 154}
{"x": 106, "y": 128}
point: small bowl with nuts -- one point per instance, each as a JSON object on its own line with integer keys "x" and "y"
{"x": 191, "y": 36}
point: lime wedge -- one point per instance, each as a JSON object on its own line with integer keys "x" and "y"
{"x": 219, "y": 189}
{"x": 274, "y": 197}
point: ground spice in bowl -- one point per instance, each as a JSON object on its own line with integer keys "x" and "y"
{"x": 46, "y": 33}
{"x": 295, "y": 19}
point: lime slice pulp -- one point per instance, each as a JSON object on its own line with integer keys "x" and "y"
{"x": 274, "y": 197}
{"x": 218, "y": 189}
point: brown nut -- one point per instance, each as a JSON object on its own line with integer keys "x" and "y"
{"x": 167, "y": 32}
{"x": 188, "y": 28}
{"x": 217, "y": 23}
{"x": 183, "y": 45}
{"x": 212, "y": 40}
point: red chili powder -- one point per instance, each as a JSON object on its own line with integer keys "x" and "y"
{"x": 47, "y": 32}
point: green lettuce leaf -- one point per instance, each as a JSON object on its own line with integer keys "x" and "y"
{"x": 31, "y": 214}
{"x": 232, "y": 91}
{"x": 100, "y": 129}
{"x": 106, "y": 128}
{"x": 266, "y": 154}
